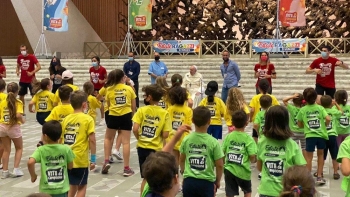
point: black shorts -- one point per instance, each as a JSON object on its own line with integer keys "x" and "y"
{"x": 41, "y": 116}
{"x": 143, "y": 153}
{"x": 232, "y": 183}
{"x": 23, "y": 90}
{"x": 255, "y": 133}
{"x": 325, "y": 91}
{"x": 193, "y": 187}
{"x": 78, "y": 176}
{"x": 123, "y": 122}
{"x": 106, "y": 117}
{"x": 332, "y": 146}
{"x": 313, "y": 142}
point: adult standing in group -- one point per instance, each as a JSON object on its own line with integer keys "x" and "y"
{"x": 98, "y": 77}
{"x": 264, "y": 70}
{"x": 157, "y": 68}
{"x": 231, "y": 74}
{"x": 132, "y": 70}
{"x": 193, "y": 82}
{"x": 324, "y": 68}
{"x": 27, "y": 66}
{"x": 56, "y": 71}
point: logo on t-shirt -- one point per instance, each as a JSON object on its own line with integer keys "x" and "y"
{"x": 149, "y": 126}
{"x": 275, "y": 151}
{"x": 95, "y": 77}
{"x": 262, "y": 73}
{"x": 25, "y": 64}
{"x": 275, "y": 167}
{"x": 120, "y": 98}
{"x": 161, "y": 103}
{"x": 43, "y": 102}
{"x": 235, "y": 158}
{"x": 326, "y": 68}
{"x": 211, "y": 108}
{"x": 197, "y": 162}
{"x": 70, "y": 135}
{"x": 344, "y": 119}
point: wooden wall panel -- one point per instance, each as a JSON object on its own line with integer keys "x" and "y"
{"x": 12, "y": 34}
{"x": 107, "y": 17}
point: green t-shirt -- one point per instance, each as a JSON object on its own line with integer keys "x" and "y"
{"x": 146, "y": 190}
{"x": 276, "y": 156}
{"x": 344, "y": 152}
{"x": 293, "y": 122}
{"x": 334, "y": 113}
{"x": 54, "y": 160}
{"x": 343, "y": 126}
{"x": 260, "y": 119}
{"x": 313, "y": 117}
{"x": 201, "y": 150}
{"x": 237, "y": 147}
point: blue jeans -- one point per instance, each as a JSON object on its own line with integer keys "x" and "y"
{"x": 224, "y": 93}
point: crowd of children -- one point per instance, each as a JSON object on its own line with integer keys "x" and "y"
{"x": 282, "y": 143}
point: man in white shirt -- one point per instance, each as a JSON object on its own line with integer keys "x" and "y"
{"x": 193, "y": 82}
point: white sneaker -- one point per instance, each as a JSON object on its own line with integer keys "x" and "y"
{"x": 117, "y": 155}
{"x": 111, "y": 159}
{"x": 102, "y": 122}
{"x": 0, "y": 166}
{"x": 5, "y": 174}
{"x": 17, "y": 172}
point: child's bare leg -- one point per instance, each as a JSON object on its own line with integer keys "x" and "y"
{"x": 320, "y": 162}
{"x": 81, "y": 191}
{"x": 308, "y": 159}
{"x": 72, "y": 190}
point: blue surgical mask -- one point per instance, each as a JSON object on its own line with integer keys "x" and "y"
{"x": 324, "y": 54}
{"x": 94, "y": 64}
{"x": 131, "y": 58}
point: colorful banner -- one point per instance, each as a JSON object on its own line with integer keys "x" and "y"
{"x": 141, "y": 14}
{"x": 56, "y": 15}
{"x": 292, "y": 13}
{"x": 285, "y": 45}
{"x": 176, "y": 46}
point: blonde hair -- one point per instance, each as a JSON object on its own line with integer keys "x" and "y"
{"x": 161, "y": 81}
{"x": 235, "y": 100}
{"x": 88, "y": 88}
{"x": 12, "y": 90}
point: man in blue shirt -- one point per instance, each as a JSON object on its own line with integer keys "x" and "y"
{"x": 157, "y": 68}
{"x": 231, "y": 74}
{"x": 132, "y": 70}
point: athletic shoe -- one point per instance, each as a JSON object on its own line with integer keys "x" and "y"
{"x": 5, "y": 174}
{"x": 320, "y": 181}
{"x": 111, "y": 159}
{"x": 117, "y": 155}
{"x": 17, "y": 172}
{"x": 128, "y": 172}
{"x": 102, "y": 122}
{"x": 259, "y": 176}
{"x": 0, "y": 166}
{"x": 105, "y": 168}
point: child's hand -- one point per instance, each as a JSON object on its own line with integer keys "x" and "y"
{"x": 92, "y": 166}
{"x": 31, "y": 111}
{"x": 333, "y": 102}
{"x": 216, "y": 186}
{"x": 231, "y": 128}
{"x": 33, "y": 178}
{"x": 183, "y": 128}
{"x": 296, "y": 95}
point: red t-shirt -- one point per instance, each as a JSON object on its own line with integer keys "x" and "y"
{"x": 263, "y": 69}
{"x": 96, "y": 75}
{"x": 27, "y": 65}
{"x": 326, "y": 79}
{"x": 2, "y": 70}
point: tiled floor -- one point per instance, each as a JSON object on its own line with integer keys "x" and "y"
{"x": 114, "y": 184}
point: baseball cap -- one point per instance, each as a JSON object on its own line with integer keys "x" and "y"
{"x": 212, "y": 88}
{"x": 67, "y": 75}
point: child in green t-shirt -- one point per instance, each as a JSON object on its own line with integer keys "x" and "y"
{"x": 259, "y": 122}
{"x": 344, "y": 158}
{"x": 240, "y": 150}
{"x": 55, "y": 160}
{"x": 293, "y": 110}
{"x": 331, "y": 143}
{"x": 343, "y": 123}
{"x": 314, "y": 119}
{"x": 200, "y": 155}
{"x": 276, "y": 151}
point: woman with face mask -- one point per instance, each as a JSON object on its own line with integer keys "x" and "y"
{"x": 264, "y": 70}
{"x": 56, "y": 71}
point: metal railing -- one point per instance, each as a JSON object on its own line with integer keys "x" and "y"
{"x": 208, "y": 48}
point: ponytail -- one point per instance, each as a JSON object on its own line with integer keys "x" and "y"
{"x": 42, "y": 85}
{"x": 210, "y": 98}
{"x": 12, "y": 89}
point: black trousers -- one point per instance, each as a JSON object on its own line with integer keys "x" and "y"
{"x": 136, "y": 86}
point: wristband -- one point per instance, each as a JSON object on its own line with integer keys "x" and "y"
{"x": 93, "y": 158}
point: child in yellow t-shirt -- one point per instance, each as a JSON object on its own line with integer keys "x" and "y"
{"x": 152, "y": 125}
{"x": 43, "y": 100}
{"x": 217, "y": 109}
{"x": 11, "y": 117}
{"x": 93, "y": 103}
{"x": 78, "y": 132}
{"x": 180, "y": 114}
{"x": 67, "y": 79}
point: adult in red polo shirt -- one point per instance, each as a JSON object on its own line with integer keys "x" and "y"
{"x": 98, "y": 77}
{"x": 324, "y": 68}
{"x": 27, "y": 66}
{"x": 264, "y": 70}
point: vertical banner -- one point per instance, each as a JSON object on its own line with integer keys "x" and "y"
{"x": 140, "y": 14}
{"x": 292, "y": 13}
{"x": 56, "y": 15}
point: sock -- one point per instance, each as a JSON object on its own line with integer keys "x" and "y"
{"x": 106, "y": 161}
{"x": 126, "y": 167}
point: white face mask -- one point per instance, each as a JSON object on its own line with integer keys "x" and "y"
{"x": 24, "y": 53}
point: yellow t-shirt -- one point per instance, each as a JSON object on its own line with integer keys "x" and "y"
{"x": 179, "y": 115}
{"x": 153, "y": 121}
{"x": 255, "y": 103}
{"x": 43, "y": 101}
{"x": 103, "y": 92}
{"x": 57, "y": 97}
{"x": 119, "y": 98}
{"x": 228, "y": 116}
{"x": 4, "y": 112}
{"x": 93, "y": 104}
{"x": 60, "y": 112}
{"x": 76, "y": 129}
{"x": 3, "y": 96}
{"x": 217, "y": 110}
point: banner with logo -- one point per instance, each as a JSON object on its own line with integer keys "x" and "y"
{"x": 141, "y": 14}
{"x": 292, "y": 13}
{"x": 56, "y": 15}
{"x": 273, "y": 45}
{"x": 176, "y": 46}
